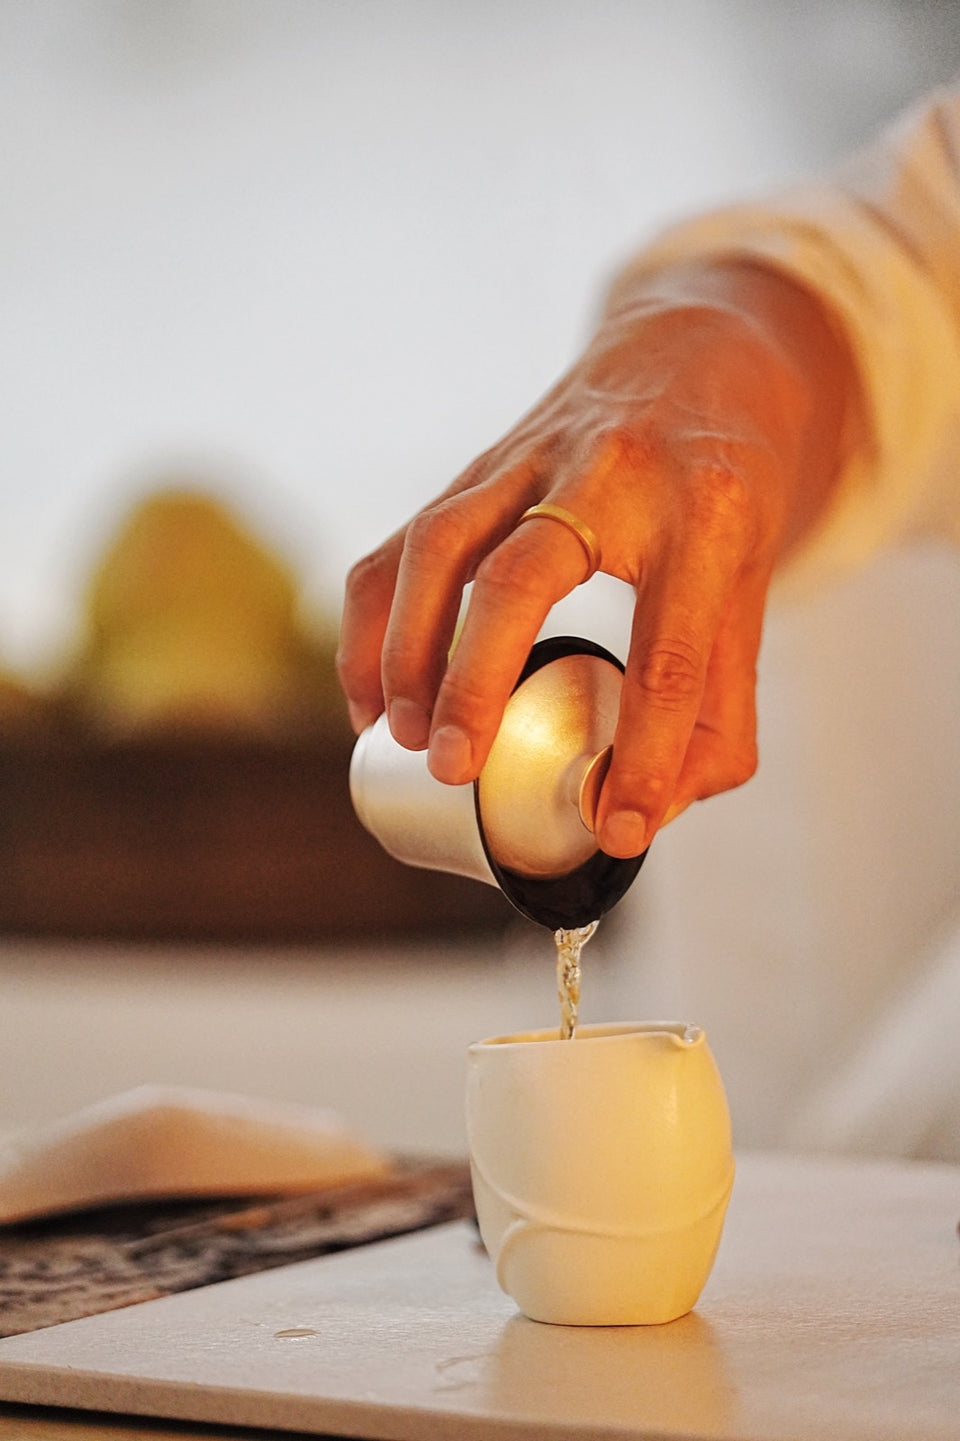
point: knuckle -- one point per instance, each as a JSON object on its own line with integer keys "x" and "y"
{"x": 344, "y": 665}
{"x": 741, "y": 765}
{"x": 357, "y": 683}
{"x": 465, "y": 701}
{"x": 462, "y": 694}
{"x": 440, "y": 533}
{"x": 370, "y": 575}
{"x": 411, "y": 663}
{"x": 515, "y": 569}
{"x": 396, "y": 662}
{"x": 722, "y": 500}
{"x": 729, "y": 768}
{"x": 637, "y": 449}
{"x": 671, "y": 675}
{"x": 649, "y": 791}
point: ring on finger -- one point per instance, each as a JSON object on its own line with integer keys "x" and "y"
{"x": 591, "y": 546}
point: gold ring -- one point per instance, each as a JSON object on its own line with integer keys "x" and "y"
{"x": 579, "y": 528}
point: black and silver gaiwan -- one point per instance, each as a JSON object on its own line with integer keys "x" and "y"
{"x": 526, "y": 823}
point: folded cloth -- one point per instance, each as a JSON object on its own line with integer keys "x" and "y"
{"x": 174, "y": 1141}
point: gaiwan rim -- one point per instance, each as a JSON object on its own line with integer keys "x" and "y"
{"x": 684, "y": 1033}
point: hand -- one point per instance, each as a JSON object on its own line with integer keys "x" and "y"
{"x": 698, "y": 437}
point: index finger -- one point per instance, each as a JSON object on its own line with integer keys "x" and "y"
{"x": 515, "y": 587}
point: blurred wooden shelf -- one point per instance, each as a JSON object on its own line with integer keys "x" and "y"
{"x": 208, "y": 840}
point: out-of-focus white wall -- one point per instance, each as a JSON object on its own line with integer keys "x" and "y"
{"x": 321, "y": 254}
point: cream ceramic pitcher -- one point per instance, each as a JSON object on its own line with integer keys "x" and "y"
{"x": 602, "y": 1168}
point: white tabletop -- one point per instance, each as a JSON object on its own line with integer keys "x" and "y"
{"x": 833, "y": 1311}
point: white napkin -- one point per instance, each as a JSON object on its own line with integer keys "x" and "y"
{"x": 158, "y": 1141}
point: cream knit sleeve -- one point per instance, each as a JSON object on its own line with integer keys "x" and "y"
{"x": 879, "y": 244}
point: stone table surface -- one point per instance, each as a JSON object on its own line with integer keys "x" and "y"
{"x": 833, "y": 1310}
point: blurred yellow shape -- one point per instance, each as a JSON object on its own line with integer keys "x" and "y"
{"x": 193, "y": 626}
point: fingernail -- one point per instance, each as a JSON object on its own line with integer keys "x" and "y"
{"x": 409, "y": 723}
{"x": 360, "y": 716}
{"x": 451, "y": 755}
{"x": 624, "y": 834}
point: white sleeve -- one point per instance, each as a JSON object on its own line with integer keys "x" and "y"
{"x": 879, "y": 244}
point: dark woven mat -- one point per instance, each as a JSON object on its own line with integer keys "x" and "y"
{"x": 80, "y": 1265}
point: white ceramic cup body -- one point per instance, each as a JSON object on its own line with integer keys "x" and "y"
{"x": 602, "y": 1168}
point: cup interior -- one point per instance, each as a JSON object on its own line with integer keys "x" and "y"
{"x": 686, "y": 1032}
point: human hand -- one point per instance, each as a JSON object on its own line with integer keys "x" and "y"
{"x": 697, "y": 438}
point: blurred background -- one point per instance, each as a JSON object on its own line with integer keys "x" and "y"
{"x": 289, "y": 264}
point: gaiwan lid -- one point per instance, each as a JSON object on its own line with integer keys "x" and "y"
{"x": 537, "y": 794}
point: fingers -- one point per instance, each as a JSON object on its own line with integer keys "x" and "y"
{"x": 515, "y": 587}
{"x": 369, "y": 595}
{"x": 722, "y": 753}
{"x": 665, "y": 678}
{"x": 442, "y": 549}
{"x": 401, "y": 601}
{"x": 687, "y": 725}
